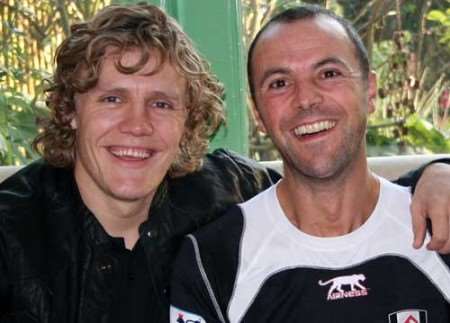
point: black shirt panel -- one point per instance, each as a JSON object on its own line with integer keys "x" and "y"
{"x": 393, "y": 283}
{"x": 133, "y": 300}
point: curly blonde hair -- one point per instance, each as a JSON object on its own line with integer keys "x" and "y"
{"x": 147, "y": 28}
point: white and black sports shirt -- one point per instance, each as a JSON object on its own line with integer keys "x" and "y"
{"x": 253, "y": 265}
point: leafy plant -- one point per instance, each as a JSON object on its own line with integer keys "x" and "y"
{"x": 443, "y": 29}
{"x": 30, "y": 33}
{"x": 18, "y": 114}
{"x": 408, "y": 117}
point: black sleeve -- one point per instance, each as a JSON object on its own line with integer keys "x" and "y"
{"x": 5, "y": 297}
{"x": 252, "y": 175}
{"x": 445, "y": 259}
{"x": 191, "y": 297}
{"x": 411, "y": 178}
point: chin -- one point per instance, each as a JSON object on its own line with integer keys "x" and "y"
{"x": 132, "y": 194}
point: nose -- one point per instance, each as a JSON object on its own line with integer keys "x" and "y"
{"x": 136, "y": 121}
{"x": 308, "y": 96}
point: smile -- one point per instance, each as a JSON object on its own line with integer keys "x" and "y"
{"x": 313, "y": 128}
{"x": 131, "y": 152}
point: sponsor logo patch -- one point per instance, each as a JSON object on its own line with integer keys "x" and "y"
{"x": 345, "y": 287}
{"x": 409, "y": 316}
{"x": 180, "y": 316}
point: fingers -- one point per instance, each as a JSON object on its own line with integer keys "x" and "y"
{"x": 419, "y": 224}
{"x": 440, "y": 227}
{"x": 431, "y": 201}
{"x": 445, "y": 249}
{"x": 440, "y": 231}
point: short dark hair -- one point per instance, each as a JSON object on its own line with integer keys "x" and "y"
{"x": 308, "y": 11}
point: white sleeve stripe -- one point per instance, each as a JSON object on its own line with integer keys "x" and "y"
{"x": 205, "y": 278}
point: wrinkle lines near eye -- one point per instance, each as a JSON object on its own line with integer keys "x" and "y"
{"x": 271, "y": 74}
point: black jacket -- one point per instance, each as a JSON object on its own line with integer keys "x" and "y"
{"x": 54, "y": 260}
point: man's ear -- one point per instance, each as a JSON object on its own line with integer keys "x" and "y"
{"x": 372, "y": 91}
{"x": 259, "y": 123}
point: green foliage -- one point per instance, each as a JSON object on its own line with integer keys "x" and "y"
{"x": 408, "y": 117}
{"x": 18, "y": 114}
{"x": 29, "y": 35}
{"x": 18, "y": 110}
{"x": 443, "y": 28}
{"x": 422, "y": 133}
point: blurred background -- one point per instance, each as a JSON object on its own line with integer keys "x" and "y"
{"x": 408, "y": 43}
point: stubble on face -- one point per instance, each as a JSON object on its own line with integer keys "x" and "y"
{"x": 291, "y": 51}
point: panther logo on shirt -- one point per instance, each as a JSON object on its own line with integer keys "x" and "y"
{"x": 336, "y": 290}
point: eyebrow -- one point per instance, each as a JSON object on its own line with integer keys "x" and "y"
{"x": 332, "y": 60}
{"x": 272, "y": 71}
{"x": 153, "y": 93}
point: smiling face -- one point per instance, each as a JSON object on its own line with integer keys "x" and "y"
{"x": 128, "y": 130}
{"x": 310, "y": 95}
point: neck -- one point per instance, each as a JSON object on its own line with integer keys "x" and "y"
{"x": 119, "y": 218}
{"x": 329, "y": 207}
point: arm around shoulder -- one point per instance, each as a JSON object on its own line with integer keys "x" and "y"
{"x": 430, "y": 185}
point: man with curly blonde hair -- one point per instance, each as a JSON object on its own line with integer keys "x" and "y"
{"x": 88, "y": 233}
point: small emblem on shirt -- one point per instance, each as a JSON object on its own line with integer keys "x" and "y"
{"x": 409, "y": 316}
{"x": 345, "y": 287}
{"x": 179, "y": 316}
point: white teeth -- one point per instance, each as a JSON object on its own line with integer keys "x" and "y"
{"x": 131, "y": 152}
{"x": 315, "y": 127}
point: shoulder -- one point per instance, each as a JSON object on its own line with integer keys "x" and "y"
{"x": 217, "y": 245}
{"x": 211, "y": 255}
{"x": 239, "y": 168}
{"x": 23, "y": 188}
{"x": 34, "y": 198}
{"x": 229, "y": 161}
{"x": 224, "y": 235}
{"x": 37, "y": 177}
{"x": 37, "y": 216}
{"x": 394, "y": 201}
{"x": 264, "y": 198}
{"x": 35, "y": 183}
{"x": 221, "y": 235}
{"x": 224, "y": 179}
{"x": 394, "y": 190}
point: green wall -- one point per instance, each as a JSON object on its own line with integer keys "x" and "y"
{"x": 215, "y": 27}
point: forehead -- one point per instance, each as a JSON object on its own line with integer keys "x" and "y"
{"x": 303, "y": 39}
{"x": 150, "y": 76}
{"x": 317, "y": 24}
{"x": 128, "y": 64}
{"x": 130, "y": 58}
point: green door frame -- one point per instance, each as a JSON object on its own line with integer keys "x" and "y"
{"x": 216, "y": 29}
